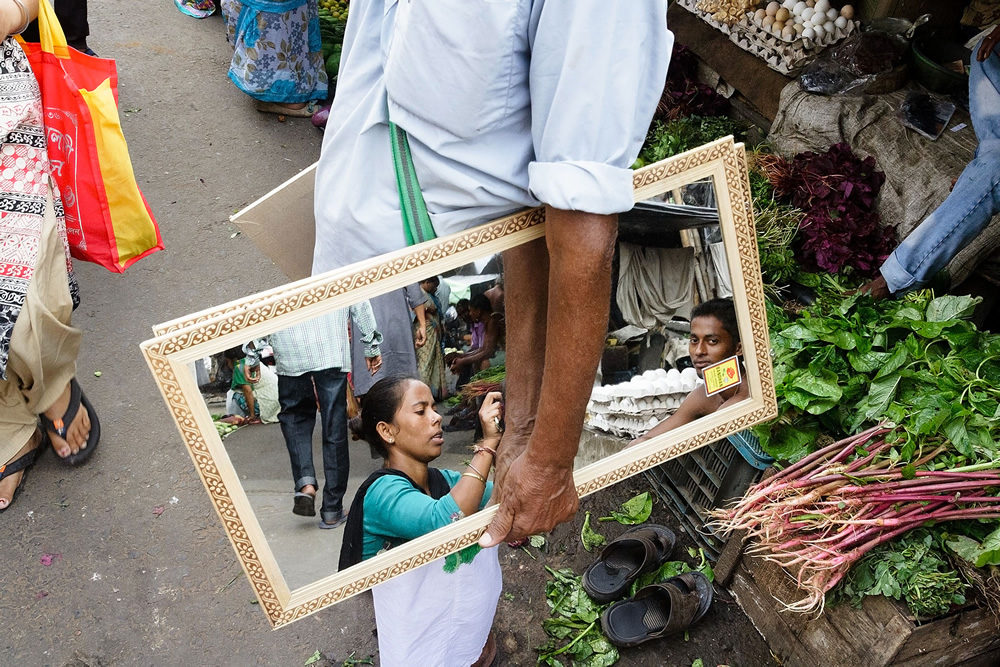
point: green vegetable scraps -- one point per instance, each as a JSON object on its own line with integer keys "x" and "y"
{"x": 683, "y": 134}
{"x": 314, "y": 658}
{"x": 574, "y": 627}
{"x": 590, "y": 539}
{"x": 632, "y": 512}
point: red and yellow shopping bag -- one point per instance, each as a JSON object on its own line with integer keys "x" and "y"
{"x": 107, "y": 219}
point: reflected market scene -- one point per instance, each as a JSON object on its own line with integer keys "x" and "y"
{"x": 500, "y": 332}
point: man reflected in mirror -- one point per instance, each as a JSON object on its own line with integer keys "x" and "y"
{"x": 312, "y": 360}
{"x": 715, "y": 337}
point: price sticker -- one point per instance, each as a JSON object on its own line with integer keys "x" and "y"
{"x": 722, "y": 376}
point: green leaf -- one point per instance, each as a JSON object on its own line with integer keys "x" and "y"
{"x": 948, "y": 307}
{"x": 315, "y": 657}
{"x": 537, "y": 541}
{"x": 698, "y": 662}
{"x": 633, "y": 511}
{"x": 883, "y": 390}
{"x": 868, "y": 362}
{"x": 909, "y": 471}
{"x": 591, "y": 539}
{"x": 893, "y": 362}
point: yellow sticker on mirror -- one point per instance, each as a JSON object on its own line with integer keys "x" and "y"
{"x": 722, "y": 376}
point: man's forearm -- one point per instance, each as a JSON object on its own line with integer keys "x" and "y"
{"x": 581, "y": 247}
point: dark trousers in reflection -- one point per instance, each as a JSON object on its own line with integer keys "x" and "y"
{"x": 298, "y": 419}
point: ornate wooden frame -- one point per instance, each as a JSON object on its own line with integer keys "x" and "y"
{"x": 180, "y": 342}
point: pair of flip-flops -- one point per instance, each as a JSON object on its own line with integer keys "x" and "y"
{"x": 655, "y": 610}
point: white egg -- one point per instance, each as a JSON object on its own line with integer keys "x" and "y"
{"x": 808, "y": 33}
{"x": 788, "y": 4}
{"x": 819, "y": 31}
{"x": 797, "y": 9}
{"x": 807, "y": 13}
{"x": 822, "y": 5}
{"x": 840, "y": 22}
{"x": 832, "y": 14}
{"x": 829, "y": 27}
{"x": 772, "y": 8}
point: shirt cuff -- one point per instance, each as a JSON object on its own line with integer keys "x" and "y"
{"x": 591, "y": 187}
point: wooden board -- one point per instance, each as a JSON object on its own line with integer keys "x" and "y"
{"x": 880, "y": 633}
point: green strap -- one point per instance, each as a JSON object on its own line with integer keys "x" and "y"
{"x": 416, "y": 222}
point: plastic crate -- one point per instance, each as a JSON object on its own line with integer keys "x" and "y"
{"x": 694, "y": 484}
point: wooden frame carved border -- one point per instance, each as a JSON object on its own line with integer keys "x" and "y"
{"x": 180, "y": 342}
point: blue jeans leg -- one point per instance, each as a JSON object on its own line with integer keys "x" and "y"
{"x": 297, "y": 418}
{"x": 974, "y": 200}
{"x": 331, "y": 387}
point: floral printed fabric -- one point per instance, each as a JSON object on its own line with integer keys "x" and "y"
{"x": 278, "y": 54}
{"x": 24, "y": 186}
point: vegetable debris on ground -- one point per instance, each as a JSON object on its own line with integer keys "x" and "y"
{"x": 633, "y": 511}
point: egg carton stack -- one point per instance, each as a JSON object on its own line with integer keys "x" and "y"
{"x": 632, "y": 408}
{"x": 785, "y": 35}
{"x": 788, "y": 35}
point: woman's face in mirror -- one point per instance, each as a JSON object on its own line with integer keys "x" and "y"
{"x": 416, "y": 430}
{"x": 710, "y": 343}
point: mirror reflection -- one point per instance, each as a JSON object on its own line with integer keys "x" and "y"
{"x": 282, "y": 402}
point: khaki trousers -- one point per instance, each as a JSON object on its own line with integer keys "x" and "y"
{"x": 43, "y": 344}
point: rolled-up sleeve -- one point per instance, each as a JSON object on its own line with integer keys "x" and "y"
{"x": 597, "y": 72}
{"x": 371, "y": 338}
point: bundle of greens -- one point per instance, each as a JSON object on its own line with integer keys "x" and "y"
{"x": 666, "y": 139}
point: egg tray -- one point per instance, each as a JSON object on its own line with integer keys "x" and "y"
{"x": 627, "y": 406}
{"x": 786, "y": 57}
{"x": 619, "y": 427}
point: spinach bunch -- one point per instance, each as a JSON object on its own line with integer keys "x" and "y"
{"x": 850, "y": 362}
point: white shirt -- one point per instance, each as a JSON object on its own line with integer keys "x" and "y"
{"x": 507, "y": 104}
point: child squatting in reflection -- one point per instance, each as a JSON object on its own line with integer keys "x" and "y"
{"x": 715, "y": 336}
{"x": 439, "y": 612}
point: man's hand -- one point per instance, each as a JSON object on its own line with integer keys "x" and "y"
{"x": 533, "y": 499}
{"x": 988, "y": 44}
{"x": 876, "y": 289}
{"x": 374, "y": 364}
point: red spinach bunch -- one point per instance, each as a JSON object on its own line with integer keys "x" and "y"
{"x": 683, "y": 94}
{"x": 837, "y": 190}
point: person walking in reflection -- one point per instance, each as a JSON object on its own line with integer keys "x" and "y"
{"x": 312, "y": 360}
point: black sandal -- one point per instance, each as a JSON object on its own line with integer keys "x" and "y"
{"x": 633, "y": 553}
{"x": 19, "y": 464}
{"x": 658, "y": 610}
{"x": 61, "y": 426}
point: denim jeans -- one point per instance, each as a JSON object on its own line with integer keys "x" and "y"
{"x": 298, "y": 417}
{"x": 974, "y": 200}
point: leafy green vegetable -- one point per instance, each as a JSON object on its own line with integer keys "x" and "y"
{"x": 315, "y": 657}
{"x": 633, "y": 511}
{"x": 978, "y": 553}
{"x": 537, "y": 541}
{"x": 591, "y": 540}
{"x": 912, "y": 568}
{"x": 682, "y": 134}
{"x": 574, "y": 626}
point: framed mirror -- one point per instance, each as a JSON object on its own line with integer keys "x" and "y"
{"x": 292, "y": 565}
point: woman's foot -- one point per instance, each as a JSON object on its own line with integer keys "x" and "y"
{"x": 9, "y": 483}
{"x": 297, "y": 110}
{"x": 77, "y": 431}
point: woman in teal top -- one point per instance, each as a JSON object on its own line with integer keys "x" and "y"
{"x": 443, "y": 613}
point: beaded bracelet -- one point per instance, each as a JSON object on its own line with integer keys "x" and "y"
{"x": 483, "y": 448}
{"x": 24, "y": 18}
{"x": 476, "y": 475}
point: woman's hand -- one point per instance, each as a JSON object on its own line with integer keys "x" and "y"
{"x": 490, "y": 415}
{"x": 988, "y": 44}
{"x": 11, "y": 17}
{"x": 419, "y": 337}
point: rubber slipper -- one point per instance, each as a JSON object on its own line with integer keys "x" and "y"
{"x": 272, "y": 107}
{"x": 635, "y": 552}
{"x": 21, "y": 464}
{"x": 658, "y": 610}
{"x": 336, "y": 522}
{"x": 304, "y": 504}
{"x": 61, "y": 426}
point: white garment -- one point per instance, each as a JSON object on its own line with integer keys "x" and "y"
{"x": 507, "y": 103}
{"x": 433, "y": 618}
{"x": 654, "y": 284}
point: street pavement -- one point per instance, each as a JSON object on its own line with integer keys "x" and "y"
{"x": 123, "y": 561}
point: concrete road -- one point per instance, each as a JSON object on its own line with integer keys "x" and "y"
{"x": 91, "y": 573}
